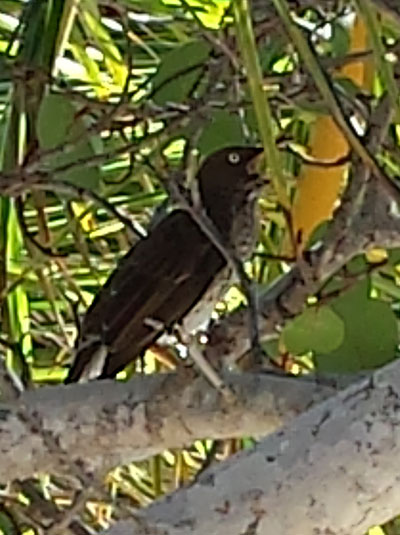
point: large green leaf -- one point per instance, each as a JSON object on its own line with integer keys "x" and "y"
{"x": 370, "y": 337}
{"x": 223, "y": 130}
{"x": 179, "y": 72}
{"x": 58, "y": 124}
{"x": 318, "y": 329}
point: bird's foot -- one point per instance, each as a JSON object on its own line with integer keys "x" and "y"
{"x": 195, "y": 351}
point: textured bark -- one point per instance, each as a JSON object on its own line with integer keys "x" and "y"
{"x": 99, "y": 425}
{"x": 332, "y": 470}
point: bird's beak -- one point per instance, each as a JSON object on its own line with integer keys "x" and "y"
{"x": 256, "y": 165}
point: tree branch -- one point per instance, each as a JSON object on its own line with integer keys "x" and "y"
{"x": 101, "y": 424}
{"x": 332, "y": 470}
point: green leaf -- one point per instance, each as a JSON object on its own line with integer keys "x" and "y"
{"x": 17, "y": 300}
{"x": 317, "y": 329}
{"x": 96, "y": 31}
{"x": 78, "y": 49}
{"x": 7, "y": 524}
{"x": 370, "y": 333}
{"x": 179, "y": 71}
{"x": 394, "y": 256}
{"x": 271, "y": 52}
{"x": 57, "y": 124}
{"x": 5, "y": 70}
{"x": 340, "y": 41}
{"x": 223, "y": 130}
{"x": 56, "y": 118}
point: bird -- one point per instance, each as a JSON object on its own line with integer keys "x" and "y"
{"x": 176, "y": 274}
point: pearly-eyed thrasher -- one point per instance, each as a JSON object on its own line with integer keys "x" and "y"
{"x": 175, "y": 274}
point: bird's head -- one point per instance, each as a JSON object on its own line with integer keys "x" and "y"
{"x": 235, "y": 162}
{"x": 227, "y": 180}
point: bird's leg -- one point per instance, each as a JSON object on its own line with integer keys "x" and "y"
{"x": 192, "y": 342}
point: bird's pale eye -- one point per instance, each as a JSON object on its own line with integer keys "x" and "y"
{"x": 233, "y": 158}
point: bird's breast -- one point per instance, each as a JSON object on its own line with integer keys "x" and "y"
{"x": 199, "y": 316}
{"x": 243, "y": 235}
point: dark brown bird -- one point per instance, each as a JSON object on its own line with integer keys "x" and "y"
{"x": 175, "y": 274}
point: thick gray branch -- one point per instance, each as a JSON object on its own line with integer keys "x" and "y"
{"x": 99, "y": 425}
{"x": 332, "y": 470}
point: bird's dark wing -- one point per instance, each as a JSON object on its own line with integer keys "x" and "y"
{"x": 155, "y": 285}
